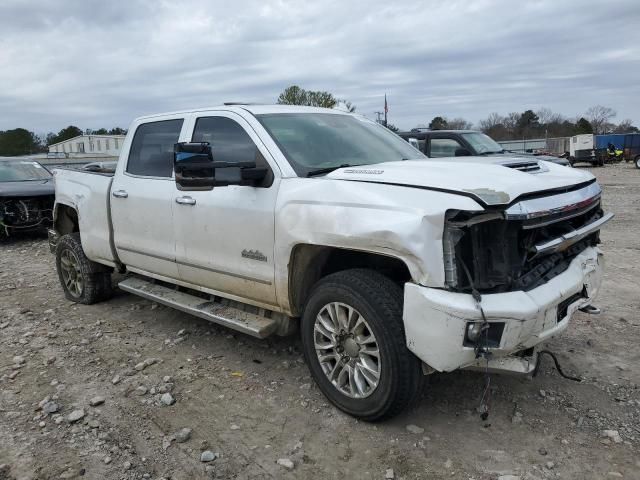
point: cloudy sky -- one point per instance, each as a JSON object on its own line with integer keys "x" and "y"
{"x": 101, "y": 63}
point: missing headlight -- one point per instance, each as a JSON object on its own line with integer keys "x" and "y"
{"x": 493, "y": 334}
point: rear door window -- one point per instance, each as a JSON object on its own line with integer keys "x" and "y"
{"x": 444, "y": 147}
{"x": 151, "y": 153}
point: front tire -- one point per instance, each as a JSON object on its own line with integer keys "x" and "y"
{"x": 637, "y": 161}
{"x": 82, "y": 280}
{"x": 354, "y": 344}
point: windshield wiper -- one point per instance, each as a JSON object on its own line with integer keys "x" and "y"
{"x": 320, "y": 171}
{"x": 492, "y": 153}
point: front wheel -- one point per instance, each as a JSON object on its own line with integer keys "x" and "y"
{"x": 637, "y": 160}
{"x": 82, "y": 280}
{"x": 354, "y": 344}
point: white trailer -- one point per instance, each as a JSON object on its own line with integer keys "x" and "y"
{"x": 582, "y": 149}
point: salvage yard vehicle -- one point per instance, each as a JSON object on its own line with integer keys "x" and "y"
{"x": 266, "y": 219}
{"x": 465, "y": 143}
{"x": 26, "y": 196}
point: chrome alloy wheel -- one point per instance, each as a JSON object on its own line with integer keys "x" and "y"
{"x": 347, "y": 350}
{"x": 71, "y": 273}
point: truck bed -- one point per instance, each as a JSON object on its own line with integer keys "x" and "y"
{"x": 88, "y": 193}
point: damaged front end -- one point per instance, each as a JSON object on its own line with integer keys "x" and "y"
{"x": 513, "y": 279}
{"x": 24, "y": 213}
{"x": 522, "y": 247}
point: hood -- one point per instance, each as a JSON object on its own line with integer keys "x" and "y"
{"x": 489, "y": 184}
{"x": 506, "y": 158}
{"x": 531, "y": 156}
{"x": 28, "y": 188}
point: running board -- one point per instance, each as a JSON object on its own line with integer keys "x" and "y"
{"x": 245, "y": 322}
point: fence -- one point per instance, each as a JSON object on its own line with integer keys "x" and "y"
{"x": 552, "y": 145}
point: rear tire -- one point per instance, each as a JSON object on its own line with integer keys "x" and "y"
{"x": 637, "y": 161}
{"x": 82, "y": 280}
{"x": 369, "y": 305}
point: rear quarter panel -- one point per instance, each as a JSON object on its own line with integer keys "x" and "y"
{"x": 88, "y": 194}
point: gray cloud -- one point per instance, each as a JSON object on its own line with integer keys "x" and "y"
{"x": 94, "y": 63}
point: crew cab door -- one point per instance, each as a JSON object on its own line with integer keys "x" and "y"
{"x": 225, "y": 236}
{"x": 143, "y": 197}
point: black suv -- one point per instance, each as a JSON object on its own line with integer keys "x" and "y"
{"x": 462, "y": 143}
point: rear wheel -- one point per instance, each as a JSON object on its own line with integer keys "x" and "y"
{"x": 354, "y": 344}
{"x": 637, "y": 160}
{"x": 82, "y": 280}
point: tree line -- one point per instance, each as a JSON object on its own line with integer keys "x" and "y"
{"x": 541, "y": 123}
{"x": 21, "y": 141}
{"x": 512, "y": 126}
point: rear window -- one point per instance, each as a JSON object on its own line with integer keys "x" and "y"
{"x": 151, "y": 153}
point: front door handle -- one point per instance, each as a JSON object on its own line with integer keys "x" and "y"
{"x": 119, "y": 194}
{"x": 186, "y": 200}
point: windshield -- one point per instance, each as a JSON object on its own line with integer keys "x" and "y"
{"x": 482, "y": 143}
{"x": 22, "y": 171}
{"x": 318, "y": 141}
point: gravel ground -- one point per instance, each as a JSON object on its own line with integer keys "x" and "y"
{"x": 128, "y": 389}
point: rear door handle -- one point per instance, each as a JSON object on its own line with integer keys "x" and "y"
{"x": 186, "y": 200}
{"x": 119, "y": 194}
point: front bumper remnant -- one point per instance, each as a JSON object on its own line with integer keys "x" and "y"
{"x": 435, "y": 320}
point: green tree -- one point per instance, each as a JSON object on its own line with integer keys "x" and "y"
{"x": 294, "y": 95}
{"x": 391, "y": 127}
{"x": 100, "y": 131}
{"x": 65, "y": 134}
{"x": 117, "y": 131}
{"x": 583, "y": 126}
{"x": 321, "y": 99}
{"x": 527, "y": 122}
{"x": 438, "y": 123}
{"x": 19, "y": 141}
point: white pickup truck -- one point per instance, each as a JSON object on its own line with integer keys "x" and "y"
{"x": 267, "y": 219}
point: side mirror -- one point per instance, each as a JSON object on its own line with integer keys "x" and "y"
{"x": 195, "y": 169}
{"x": 414, "y": 143}
{"x": 193, "y": 166}
{"x": 462, "y": 152}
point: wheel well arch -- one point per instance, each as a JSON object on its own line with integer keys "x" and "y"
{"x": 66, "y": 219}
{"x": 310, "y": 263}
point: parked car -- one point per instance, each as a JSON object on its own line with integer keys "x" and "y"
{"x": 277, "y": 218}
{"x": 464, "y": 143}
{"x": 26, "y": 196}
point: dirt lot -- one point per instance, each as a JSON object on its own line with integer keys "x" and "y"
{"x": 252, "y": 402}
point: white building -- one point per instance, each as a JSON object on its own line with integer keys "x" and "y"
{"x": 109, "y": 145}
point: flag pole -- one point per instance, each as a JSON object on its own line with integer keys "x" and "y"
{"x": 386, "y": 109}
